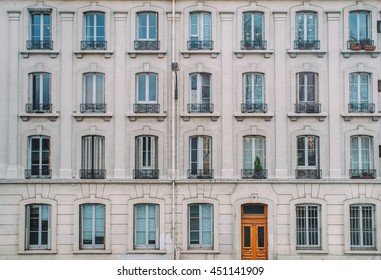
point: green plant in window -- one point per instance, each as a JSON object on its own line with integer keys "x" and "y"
{"x": 257, "y": 165}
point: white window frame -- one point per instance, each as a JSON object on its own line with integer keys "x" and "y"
{"x": 39, "y": 245}
{"x": 200, "y": 230}
{"x": 250, "y": 95}
{"x": 196, "y": 94}
{"x": 40, "y": 154}
{"x": 96, "y": 154}
{"x": 305, "y": 86}
{"x": 147, "y": 244}
{"x": 362, "y": 229}
{"x": 254, "y": 151}
{"x": 92, "y": 95}
{"x": 305, "y": 150}
{"x": 146, "y": 152}
{"x": 306, "y": 36}
{"x": 147, "y": 26}
{"x": 42, "y": 24}
{"x": 93, "y": 226}
{"x": 308, "y": 229}
{"x": 201, "y": 150}
{"x": 201, "y": 27}
{"x": 147, "y": 77}
{"x": 358, "y": 36}
{"x": 357, "y": 92}
{"x": 41, "y": 95}
{"x": 94, "y": 37}
{"x": 360, "y": 139}
{"x": 252, "y": 36}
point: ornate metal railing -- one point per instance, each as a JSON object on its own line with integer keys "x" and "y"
{"x": 39, "y": 45}
{"x": 307, "y": 44}
{"x": 253, "y": 174}
{"x": 253, "y": 45}
{"x": 361, "y": 107}
{"x": 92, "y": 173}
{"x": 93, "y": 45}
{"x": 200, "y": 45}
{"x": 146, "y": 173}
{"x": 308, "y": 173}
{"x": 200, "y": 108}
{"x": 200, "y": 173}
{"x": 36, "y": 173}
{"x": 93, "y": 108}
{"x": 146, "y": 45}
{"x": 307, "y": 107}
{"x": 146, "y": 108}
{"x": 253, "y": 107}
{"x": 361, "y": 44}
{"x": 362, "y": 173}
{"x": 38, "y": 108}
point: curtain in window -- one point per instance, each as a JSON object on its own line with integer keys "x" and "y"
{"x": 146, "y": 225}
{"x": 200, "y": 88}
{"x": 307, "y": 87}
{"x": 93, "y": 152}
{"x": 254, "y": 88}
{"x": 361, "y": 152}
{"x": 146, "y": 152}
{"x": 200, "y": 224}
{"x": 307, "y": 151}
{"x": 200, "y": 153}
{"x": 306, "y": 26}
{"x": 253, "y": 26}
{"x": 359, "y": 88}
{"x": 200, "y": 27}
{"x": 40, "y": 88}
{"x": 93, "y": 88}
{"x": 93, "y": 225}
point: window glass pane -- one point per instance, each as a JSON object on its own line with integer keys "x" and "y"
{"x": 355, "y": 152}
{"x": 88, "y": 88}
{"x": 152, "y": 26}
{"x": 36, "y": 27}
{"x": 207, "y": 27}
{"x": 194, "y": 26}
{"x": 312, "y": 151}
{"x": 248, "y": 153}
{"x": 364, "y": 94}
{"x": 261, "y": 237}
{"x": 258, "y": 91}
{"x": 100, "y": 18}
{"x": 300, "y": 26}
{"x": 99, "y": 88}
{"x": 247, "y": 26}
{"x": 142, "y": 26}
{"x": 301, "y": 151}
{"x": 258, "y": 26}
{"x": 311, "y": 26}
{"x": 152, "y": 87}
{"x": 249, "y": 88}
{"x": 254, "y": 209}
{"x": 353, "y": 34}
{"x": 363, "y": 25}
{"x": 141, "y": 87}
{"x": 46, "y": 89}
{"x": 247, "y": 237}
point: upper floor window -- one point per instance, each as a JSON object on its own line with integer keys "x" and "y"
{"x": 200, "y": 31}
{"x": 200, "y": 226}
{"x": 38, "y": 228}
{"x": 93, "y": 157}
{"x": 94, "y": 32}
{"x": 92, "y": 230}
{"x": 40, "y": 34}
{"x": 362, "y": 158}
{"x": 254, "y": 93}
{"x": 39, "y": 93}
{"x": 308, "y": 227}
{"x": 147, "y": 31}
{"x": 38, "y": 157}
{"x": 253, "y": 32}
{"x": 362, "y": 226}
{"x": 93, "y": 93}
{"x": 146, "y": 93}
{"x": 254, "y": 157}
{"x": 306, "y": 28}
{"x": 146, "y": 158}
{"x": 307, "y": 93}
{"x": 360, "y": 32}
{"x": 200, "y": 93}
{"x": 146, "y": 226}
{"x": 200, "y": 157}
{"x": 308, "y": 157}
{"x": 360, "y": 93}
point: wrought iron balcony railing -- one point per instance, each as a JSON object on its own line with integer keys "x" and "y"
{"x": 93, "y": 45}
{"x": 362, "y": 173}
{"x": 254, "y": 174}
{"x": 307, "y": 44}
{"x": 143, "y": 45}
{"x": 253, "y": 107}
{"x": 38, "y": 108}
{"x": 92, "y": 173}
{"x": 308, "y": 173}
{"x": 146, "y": 108}
{"x": 362, "y": 44}
{"x": 253, "y": 45}
{"x": 361, "y": 107}
{"x": 146, "y": 173}
{"x": 200, "y": 173}
{"x": 307, "y": 107}
{"x": 200, "y": 45}
{"x": 93, "y": 108}
{"x": 200, "y": 108}
{"x": 36, "y": 173}
{"x": 39, "y": 45}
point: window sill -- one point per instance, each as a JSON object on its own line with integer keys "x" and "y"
{"x": 51, "y": 116}
{"x": 27, "y": 53}
{"x": 200, "y": 251}
{"x": 295, "y": 116}
{"x": 80, "y": 54}
{"x": 92, "y": 252}
{"x": 295, "y": 53}
{"x": 212, "y": 53}
{"x": 266, "y": 116}
{"x": 265, "y": 53}
{"x": 37, "y": 252}
{"x": 133, "y": 116}
{"x": 134, "y": 54}
{"x": 142, "y": 251}
{"x": 362, "y": 252}
{"x": 349, "y": 116}
{"x": 187, "y": 116}
{"x": 80, "y": 116}
{"x": 348, "y": 53}
{"x": 315, "y": 252}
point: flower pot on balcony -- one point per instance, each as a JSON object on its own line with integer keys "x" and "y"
{"x": 370, "y": 48}
{"x": 355, "y": 47}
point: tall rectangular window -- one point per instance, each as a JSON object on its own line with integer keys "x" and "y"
{"x": 92, "y": 226}
{"x": 146, "y": 166}
{"x": 147, "y": 31}
{"x": 200, "y": 226}
{"x": 359, "y": 25}
{"x": 362, "y": 157}
{"x": 39, "y": 93}
{"x": 93, "y": 162}
{"x": 40, "y": 30}
{"x": 93, "y": 93}
{"x": 254, "y": 93}
{"x": 308, "y": 227}
{"x": 253, "y": 31}
{"x": 254, "y": 157}
{"x": 308, "y": 157}
{"x": 360, "y": 93}
{"x": 38, "y": 230}
{"x": 200, "y": 151}
{"x": 200, "y": 93}
{"x": 147, "y": 88}
{"x": 38, "y": 157}
{"x": 362, "y": 227}
{"x": 200, "y": 31}
{"x": 307, "y": 93}
{"x": 146, "y": 226}
{"x": 94, "y": 31}
{"x": 306, "y": 36}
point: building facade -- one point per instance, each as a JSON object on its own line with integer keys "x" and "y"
{"x": 190, "y": 129}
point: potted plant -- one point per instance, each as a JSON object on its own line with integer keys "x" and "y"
{"x": 258, "y": 169}
{"x": 355, "y": 45}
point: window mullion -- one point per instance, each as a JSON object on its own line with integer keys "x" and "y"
{"x": 94, "y": 77}
{"x": 307, "y": 226}
{"x": 39, "y": 243}
{"x": 147, "y": 225}
{"x": 200, "y": 224}
{"x": 93, "y": 226}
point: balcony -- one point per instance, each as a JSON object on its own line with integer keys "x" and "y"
{"x": 146, "y": 108}
{"x": 200, "y": 173}
{"x": 308, "y": 107}
{"x": 308, "y": 173}
{"x": 254, "y": 174}
{"x": 146, "y": 173}
{"x": 93, "y": 108}
{"x": 39, "y": 45}
{"x": 362, "y": 173}
{"x": 93, "y": 45}
{"x": 92, "y": 173}
{"x": 307, "y": 44}
{"x": 254, "y": 108}
{"x": 146, "y": 45}
{"x": 200, "y": 108}
{"x": 361, "y": 107}
{"x": 38, "y": 108}
{"x": 253, "y": 45}
{"x": 363, "y": 44}
{"x": 200, "y": 45}
{"x": 36, "y": 173}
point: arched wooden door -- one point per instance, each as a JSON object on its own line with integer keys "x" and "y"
{"x": 254, "y": 232}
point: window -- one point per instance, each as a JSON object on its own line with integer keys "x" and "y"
{"x": 362, "y": 158}
{"x": 147, "y": 31}
{"x": 306, "y": 37}
{"x": 94, "y": 32}
{"x": 200, "y": 226}
{"x": 93, "y": 93}
{"x": 200, "y": 31}
{"x": 92, "y": 226}
{"x": 146, "y": 226}
{"x": 360, "y": 93}
{"x": 38, "y": 157}
{"x": 308, "y": 157}
{"x": 200, "y": 93}
{"x": 93, "y": 163}
{"x": 254, "y": 93}
{"x": 308, "y": 227}
{"x": 307, "y": 93}
{"x": 362, "y": 227}
{"x": 146, "y": 93}
{"x": 40, "y": 30}
{"x": 253, "y": 32}
{"x": 39, "y": 93}
{"x": 38, "y": 228}
{"x": 146, "y": 166}
{"x": 360, "y": 35}
{"x": 200, "y": 154}
{"x": 254, "y": 157}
